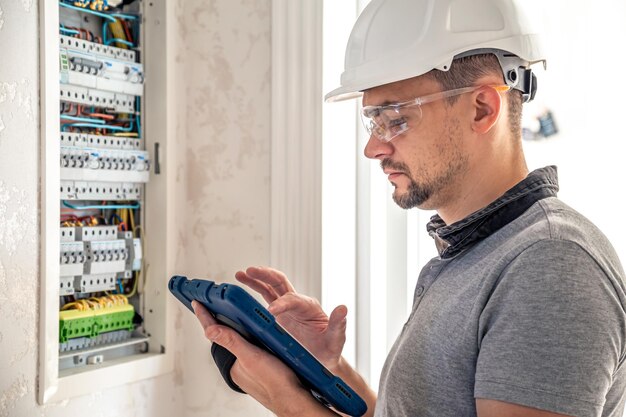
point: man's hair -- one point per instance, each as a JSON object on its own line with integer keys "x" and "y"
{"x": 465, "y": 71}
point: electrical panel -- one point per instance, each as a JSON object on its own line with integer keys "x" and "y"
{"x": 104, "y": 166}
{"x": 108, "y": 226}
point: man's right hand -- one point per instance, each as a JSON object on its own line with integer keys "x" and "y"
{"x": 300, "y": 315}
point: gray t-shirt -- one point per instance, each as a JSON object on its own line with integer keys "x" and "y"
{"x": 532, "y": 314}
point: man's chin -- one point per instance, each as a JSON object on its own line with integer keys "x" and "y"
{"x": 401, "y": 199}
{"x": 407, "y": 200}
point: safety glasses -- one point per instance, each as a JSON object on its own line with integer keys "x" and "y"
{"x": 391, "y": 120}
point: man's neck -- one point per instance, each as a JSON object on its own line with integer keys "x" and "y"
{"x": 480, "y": 188}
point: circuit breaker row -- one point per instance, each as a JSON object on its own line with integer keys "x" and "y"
{"x": 88, "y": 164}
{"x": 121, "y": 103}
{"x": 99, "y": 260}
{"x": 97, "y": 49}
{"x": 81, "y": 140}
{"x": 94, "y": 190}
{"x": 95, "y": 66}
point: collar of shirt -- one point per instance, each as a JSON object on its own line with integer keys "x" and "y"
{"x": 453, "y": 239}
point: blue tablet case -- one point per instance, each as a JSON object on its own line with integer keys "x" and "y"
{"x": 234, "y": 307}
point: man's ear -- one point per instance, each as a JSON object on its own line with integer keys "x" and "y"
{"x": 487, "y": 104}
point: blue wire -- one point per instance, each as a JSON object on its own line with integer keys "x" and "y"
{"x": 83, "y": 119}
{"x": 70, "y": 31}
{"x": 98, "y": 126}
{"x": 115, "y": 216}
{"x": 125, "y": 16}
{"x": 138, "y": 116}
{"x": 80, "y": 9}
{"x": 104, "y": 31}
{"x": 101, "y": 207}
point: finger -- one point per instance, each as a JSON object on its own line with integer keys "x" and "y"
{"x": 206, "y": 319}
{"x": 266, "y": 291}
{"x": 232, "y": 341}
{"x": 337, "y": 321}
{"x": 294, "y": 303}
{"x": 273, "y": 277}
{"x": 222, "y": 335}
{"x": 209, "y": 324}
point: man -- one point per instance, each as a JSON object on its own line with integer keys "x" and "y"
{"x": 523, "y": 311}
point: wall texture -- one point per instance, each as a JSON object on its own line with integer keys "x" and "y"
{"x": 225, "y": 113}
{"x": 223, "y": 97}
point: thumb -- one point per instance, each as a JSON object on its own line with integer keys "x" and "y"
{"x": 229, "y": 339}
{"x": 337, "y": 323}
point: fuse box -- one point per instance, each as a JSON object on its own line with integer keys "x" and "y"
{"x": 104, "y": 310}
{"x": 104, "y": 166}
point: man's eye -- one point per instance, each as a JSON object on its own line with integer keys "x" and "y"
{"x": 398, "y": 125}
{"x": 371, "y": 113}
{"x": 400, "y": 121}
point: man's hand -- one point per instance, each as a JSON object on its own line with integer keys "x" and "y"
{"x": 301, "y": 316}
{"x": 260, "y": 374}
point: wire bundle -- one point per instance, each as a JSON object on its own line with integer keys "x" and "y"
{"x": 98, "y": 121}
{"x": 96, "y": 303}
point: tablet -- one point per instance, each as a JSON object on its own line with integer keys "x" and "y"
{"x": 234, "y": 307}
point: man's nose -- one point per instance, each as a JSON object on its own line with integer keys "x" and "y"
{"x": 377, "y": 149}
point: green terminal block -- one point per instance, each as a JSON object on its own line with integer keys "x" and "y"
{"x": 91, "y": 323}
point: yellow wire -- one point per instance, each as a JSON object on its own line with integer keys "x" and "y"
{"x": 135, "y": 284}
{"x": 127, "y": 135}
{"x": 132, "y": 221}
{"x": 96, "y": 303}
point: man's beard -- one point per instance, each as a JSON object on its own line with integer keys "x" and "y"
{"x": 416, "y": 194}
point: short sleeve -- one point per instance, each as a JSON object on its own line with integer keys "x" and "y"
{"x": 551, "y": 335}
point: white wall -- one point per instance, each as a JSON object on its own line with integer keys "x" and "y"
{"x": 584, "y": 88}
{"x": 223, "y": 97}
{"x": 225, "y": 64}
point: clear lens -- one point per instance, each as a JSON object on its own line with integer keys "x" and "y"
{"x": 387, "y": 122}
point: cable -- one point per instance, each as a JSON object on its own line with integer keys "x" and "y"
{"x": 127, "y": 135}
{"x": 115, "y": 216}
{"x": 125, "y": 25}
{"x": 110, "y": 41}
{"x": 83, "y": 119}
{"x": 106, "y": 16}
{"x": 104, "y": 31}
{"x": 103, "y": 207}
{"x": 101, "y": 116}
{"x": 125, "y": 16}
{"x": 99, "y": 126}
{"x": 138, "y": 115}
{"x": 135, "y": 283}
{"x": 70, "y": 31}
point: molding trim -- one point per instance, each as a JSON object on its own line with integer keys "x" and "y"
{"x": 49, "y": 208}
{"x": 296, "y": 144}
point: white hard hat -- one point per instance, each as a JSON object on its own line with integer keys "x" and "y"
{"x": 394, "y": 40}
